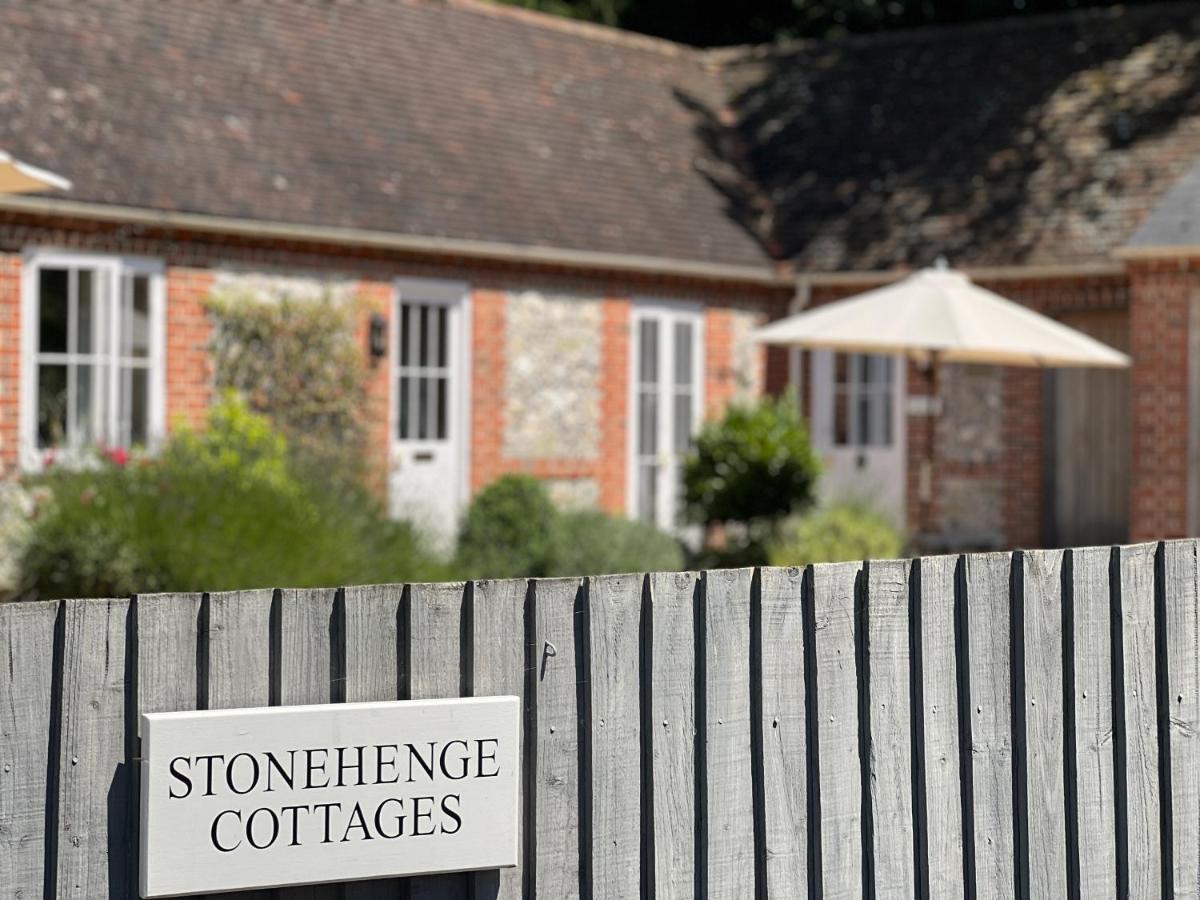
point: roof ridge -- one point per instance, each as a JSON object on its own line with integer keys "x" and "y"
{"x": 591, "y": 30}
{"x": 931, "y": 33}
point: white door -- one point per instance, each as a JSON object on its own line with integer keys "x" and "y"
{"x": 858, "y": 429}
{"x": 428, "y": 484}
{"x": 666, "y": 404}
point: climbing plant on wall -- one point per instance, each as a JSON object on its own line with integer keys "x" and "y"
{"x": 296, "y": 360}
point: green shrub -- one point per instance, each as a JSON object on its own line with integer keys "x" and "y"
{"x": 507, "y": 531}
{"x": 593, "y": 543}
{"x": 837, "y": 533}
{"x": 755, "y": 463}
{"x": 512, "y": 530}
{"x": 225, "y": 507}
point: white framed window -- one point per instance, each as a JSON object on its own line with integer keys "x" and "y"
{"x": 863, "y": 400}
{"x": 666, "y": 406}
{"x": 92, "y": 354}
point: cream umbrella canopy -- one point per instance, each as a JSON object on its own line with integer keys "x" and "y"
{"x": 935, "y": 316}
{"x": 17, "y": 177}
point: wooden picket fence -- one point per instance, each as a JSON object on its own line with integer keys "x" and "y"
{"x": 996, "y": 725}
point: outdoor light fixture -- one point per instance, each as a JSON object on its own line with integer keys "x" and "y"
{"x": 377, "y": 338}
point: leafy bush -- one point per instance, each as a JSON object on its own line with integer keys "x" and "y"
{"x": 222, "y": 508}
{"x": 507, "y": 531}
{"x": 298, "y": 361}
{"x": 512, "y": 530}
{"x": 593, "y": 543}
{"x": 756, "y": 463}
{"x": 837, "y": 533}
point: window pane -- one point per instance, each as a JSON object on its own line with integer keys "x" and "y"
{"x": 405, "y": 332}
{"x": 403, "y": 412}
{"x": 841, "y": 418}
{"x": 647, "y": 423}
{"x": 139, "y": 405}
{"x": 137, "y": 323}
{"x": 52, "y": 306}
{"x": 440, "y": 434}
{"x": 52, "y": 405}
{"x": 87, "y": 420}
{"x": 647, "y": 489}
{"x": 443, "y": 358}
{"x": 862, "y": 406}
{"x": 683, "y": 354}
{"x": 841, "y": 368}
{"x": 87, "y": 313}
{"x": 423, "y": 358}
{"x": 648, "y": 351}
{"x": 422, "y": 408}
{"x": 885, "y": 436}
{"x": 683, "y": 422}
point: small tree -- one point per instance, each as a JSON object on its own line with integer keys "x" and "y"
{"x": 754, "y": 466}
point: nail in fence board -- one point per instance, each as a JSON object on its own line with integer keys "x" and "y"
{"x": 95, "y": 818}
{"x": 1141, "y": 719}
{"x": 835, "y": 589}
{"x": 890, "y": 757}
{"x": 614, "y": 631}
{"x": 435, "y": 670}
{"x": 557, "y": 606}
{"x": 990, "y": 678}
{"x": 1041, "y": 575}
{"x": 672, "y": 734}
{"x": 729, "y": 792}
{"x": 1094, "y": 785}
{"x": 26, "y": 685}
{"x": 238, "y": 647}
{"x": 1183, "y": 697}
{"x": 783, "y": 724}
{"x": 373, "y": 672}
{"x": 939, "y": 688}
{"x": 310, "y": 653}
{"x": 498, "y": 644}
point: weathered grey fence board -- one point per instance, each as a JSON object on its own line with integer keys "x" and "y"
{"x": 728, "y": 789}
{"x": 835, "y": 602}
{"x": 939, "y": 692}
{"x": 95, "y": 768}
{"x": 1094, "y": 785}
{"x": 990, "y": 675}
{"x": 1041, "y": 593}
{"x": 849, "y": 681}
{"x": 435, "y": 642}
{"x": 614, "y": 632}
{"x": 556, "y": 785}
{"x": 373, "y": 672}
{"x": 1141, "y": 719}
{"x": 890, "y": 756}
{"x": 309, "y": 657}
{"x": 1180, "y": 570}
{"x": 784, "y": 730}
{"x": 672, "y": 734}
{"x": 26, "y": 700}
{"x": 499, "y": 644}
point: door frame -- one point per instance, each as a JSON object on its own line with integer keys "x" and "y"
{"x": 648, "y": 308}
{"x": 455, "y": 295}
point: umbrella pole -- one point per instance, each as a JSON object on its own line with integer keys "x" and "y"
{"x": 926, "y": 477}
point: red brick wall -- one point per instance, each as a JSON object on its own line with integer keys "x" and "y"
{"x": 376, "y": 298}
{"x": 487, "y": 387}
{"x": 10, "y": 359}
{"x": 188, "y": 366}
{"x": 614, "y": 404}
{"x": 1160, "y": 296}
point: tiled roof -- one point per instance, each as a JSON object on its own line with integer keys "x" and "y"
{"x": 1040, "y": 140}
{"x": 409, "y": 116}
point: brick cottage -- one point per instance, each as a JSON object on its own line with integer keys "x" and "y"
{"x": 564, "y": 234}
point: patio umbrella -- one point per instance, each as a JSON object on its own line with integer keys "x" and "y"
{"x": 17, "y": 177}
{"x": 937, "y": 316}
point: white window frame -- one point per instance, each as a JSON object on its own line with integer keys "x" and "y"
{"x": 112, "y": 267}
{"x": 436, "y": 292}
{"x": 667, "y": 312}
{"x": 854, "y": 389}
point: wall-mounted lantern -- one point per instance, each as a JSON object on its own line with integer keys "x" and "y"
{"x": 377, "y": 338}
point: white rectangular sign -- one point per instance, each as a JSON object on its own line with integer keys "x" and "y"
{"x": 248, "y": 798}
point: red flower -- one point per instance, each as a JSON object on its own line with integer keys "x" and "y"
{"x": 119, "y": 455}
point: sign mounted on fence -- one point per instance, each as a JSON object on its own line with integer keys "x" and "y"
{"x": 248, "y": 798}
